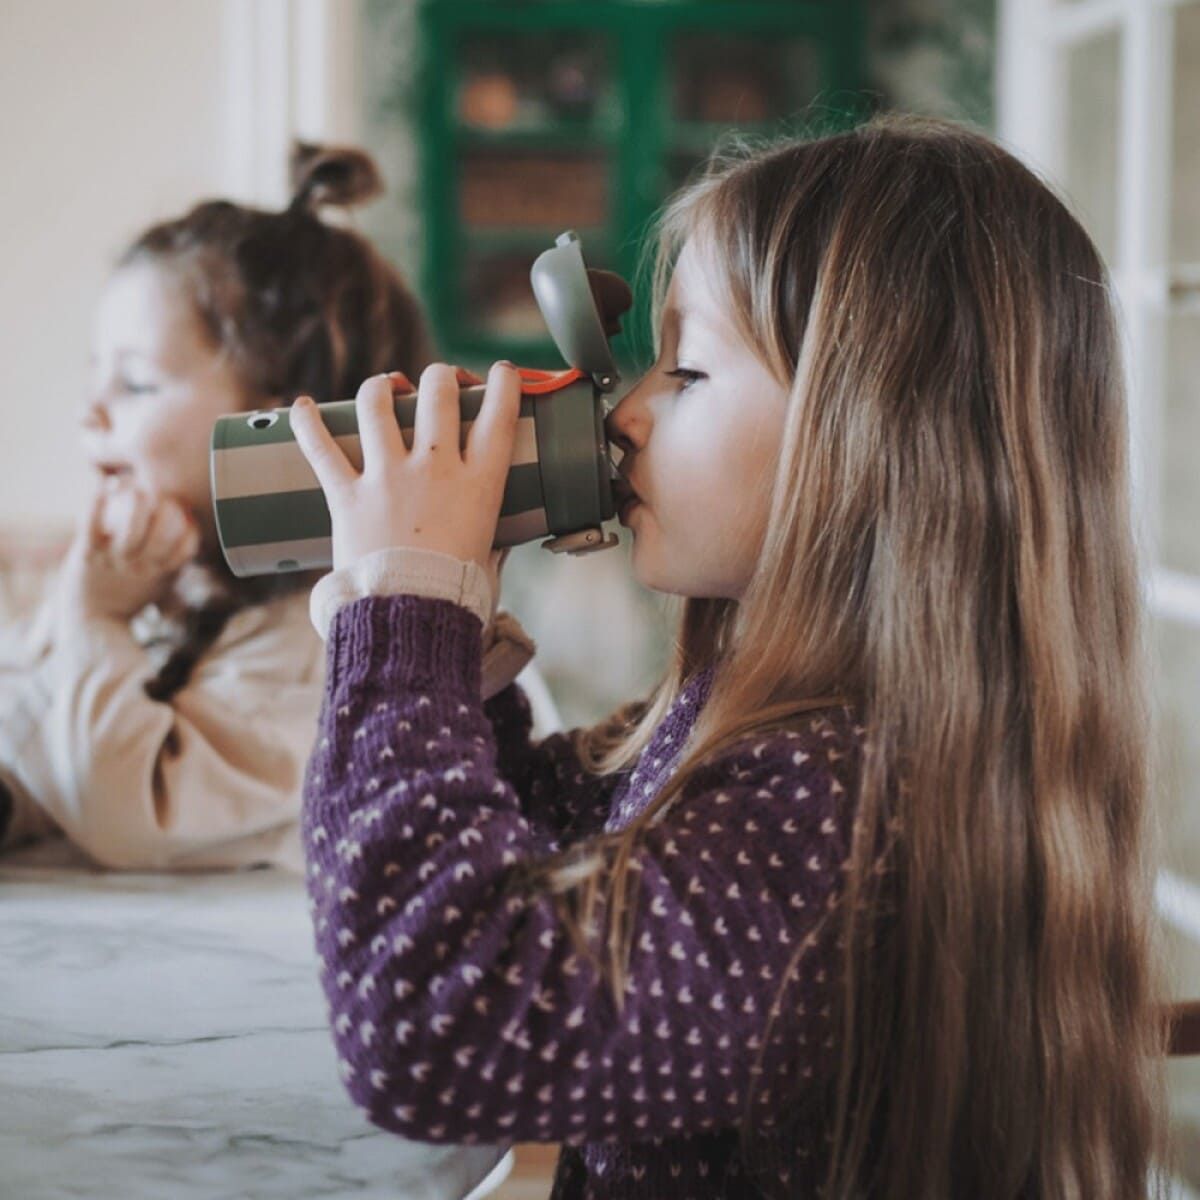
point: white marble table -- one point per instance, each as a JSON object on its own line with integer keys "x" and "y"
{"x": 164, "y": 1036}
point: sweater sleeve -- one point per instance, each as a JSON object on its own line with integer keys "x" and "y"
{"x": 460, "y": 1008}
{"x": 547, "y": 777}
{"x": 557, "y": 793}
{"x": 210, "y": 778}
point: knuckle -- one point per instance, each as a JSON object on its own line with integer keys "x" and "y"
{"x": 427, "y": 461}
{"x": 331, "y": 482}
{"x": 326, "y": 454}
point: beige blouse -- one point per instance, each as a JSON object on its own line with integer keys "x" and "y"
{"x": 211, "y": 778}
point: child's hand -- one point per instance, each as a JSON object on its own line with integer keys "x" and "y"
{"x": 432, "y": 497}
{"x": 495, "y": 565}
{"x": 127, "y": 551}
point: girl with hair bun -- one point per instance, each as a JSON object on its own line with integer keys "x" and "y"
{"x": 157, "y": 710}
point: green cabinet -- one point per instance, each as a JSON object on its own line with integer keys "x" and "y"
{"x": 542, "y": 115}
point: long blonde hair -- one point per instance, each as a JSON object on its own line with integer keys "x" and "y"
{"x": 949, "y": 547}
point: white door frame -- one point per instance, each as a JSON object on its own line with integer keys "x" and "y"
{"x": 290, "y": 71}
{"x": 1033, "y": 38}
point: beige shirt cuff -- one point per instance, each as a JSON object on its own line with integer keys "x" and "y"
{"x": 507, "y": 648}
{"x": 402, "y": 572}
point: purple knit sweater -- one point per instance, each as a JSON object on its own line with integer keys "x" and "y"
{"x": 460, "y": 1008}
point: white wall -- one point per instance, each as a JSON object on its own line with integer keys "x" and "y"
{"x": 110, "y": 117}
{"x": 114, "y": 114}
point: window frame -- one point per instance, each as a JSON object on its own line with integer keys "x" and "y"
{"x": 1034, "y": 37}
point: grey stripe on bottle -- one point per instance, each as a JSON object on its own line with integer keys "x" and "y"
{"x": 286, "y": 516}
{"x": 309, "y": 554}
{"x": 281, "y": 467}
{"x": 340, "y": 417}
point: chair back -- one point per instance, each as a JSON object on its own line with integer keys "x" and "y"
{"x": 1184, "y": 1019}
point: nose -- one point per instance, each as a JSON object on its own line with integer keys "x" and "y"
{"x": 628, "y": 425}
{"x": 94, "y": 418}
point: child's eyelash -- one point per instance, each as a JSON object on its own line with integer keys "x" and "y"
{"x": 686, "y": 377}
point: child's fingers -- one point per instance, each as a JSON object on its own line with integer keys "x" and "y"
{"x": 495, "y": 567}
{"x": 495, "y": 429}
{"x": 439, "y": 417}
{"x": 401, "y": 384}
{"x": 169, "y": 528}
{"x": 95, "y": 534}
{"x": 128, "y": 514}
{"x": 331, "y": 467}
{"x": 182, "y": 550}
{"x": 378, "y": 429}
{"x": 466, "y": 378}
{"x": 496, "y": 561}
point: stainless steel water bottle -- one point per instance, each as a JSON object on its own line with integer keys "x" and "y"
{"x": 271, "y": 513}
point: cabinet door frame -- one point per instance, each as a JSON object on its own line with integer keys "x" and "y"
{"x": 638, "y": 33}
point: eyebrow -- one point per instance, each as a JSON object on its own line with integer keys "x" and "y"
{"x": 674, "y": 315}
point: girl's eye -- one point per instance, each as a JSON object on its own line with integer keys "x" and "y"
{"x": 138, "y": 387}
{"x": 686, "y": 377}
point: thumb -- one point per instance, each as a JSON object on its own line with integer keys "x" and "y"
{"x": 495, "y": 566}
{"x": 496, "y": 561}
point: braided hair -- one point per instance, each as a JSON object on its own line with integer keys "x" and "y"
{"x": 300, "y": 306}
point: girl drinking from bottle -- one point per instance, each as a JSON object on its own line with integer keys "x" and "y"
{"x": 159, "y": 711}
{"x": 857, "y": 902}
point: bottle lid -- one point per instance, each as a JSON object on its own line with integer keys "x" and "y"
{"x": 564, "y": 295}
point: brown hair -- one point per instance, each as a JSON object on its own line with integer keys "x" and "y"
{"x": 949, "y": 548}
{"x": 300, "y": 306}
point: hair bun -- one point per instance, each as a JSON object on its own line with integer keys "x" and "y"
{"x": 332, "y": 175}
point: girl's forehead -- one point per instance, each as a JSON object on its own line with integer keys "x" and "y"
{"x": 693, "y": 293}
{"x": 144, "y": 310}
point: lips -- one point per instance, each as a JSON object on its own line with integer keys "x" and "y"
{"x": 624, "y": 497}
{"x": 112, "y": 470}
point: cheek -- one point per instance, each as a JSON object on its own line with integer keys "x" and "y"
{"x": 161, "y": 446}
{"x": 753, "y": 447}
{"x": 723, "y": 501}
{"x": 138, "y": 436}
{"x": 169, "y": 452}
{"x": 681, "y": 535}
{"x": 705, "y": 488}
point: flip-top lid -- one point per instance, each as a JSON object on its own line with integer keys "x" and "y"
{"x": 560, "y": 284}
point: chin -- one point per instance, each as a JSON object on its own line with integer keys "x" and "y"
{"x": 686, "y": 589}
{"x": 648, "y": 570}
{"x": 657, "y": 581}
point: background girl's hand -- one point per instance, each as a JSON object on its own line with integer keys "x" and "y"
{"x": 127, "y": 551}
{"x": 432, "y": 497}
